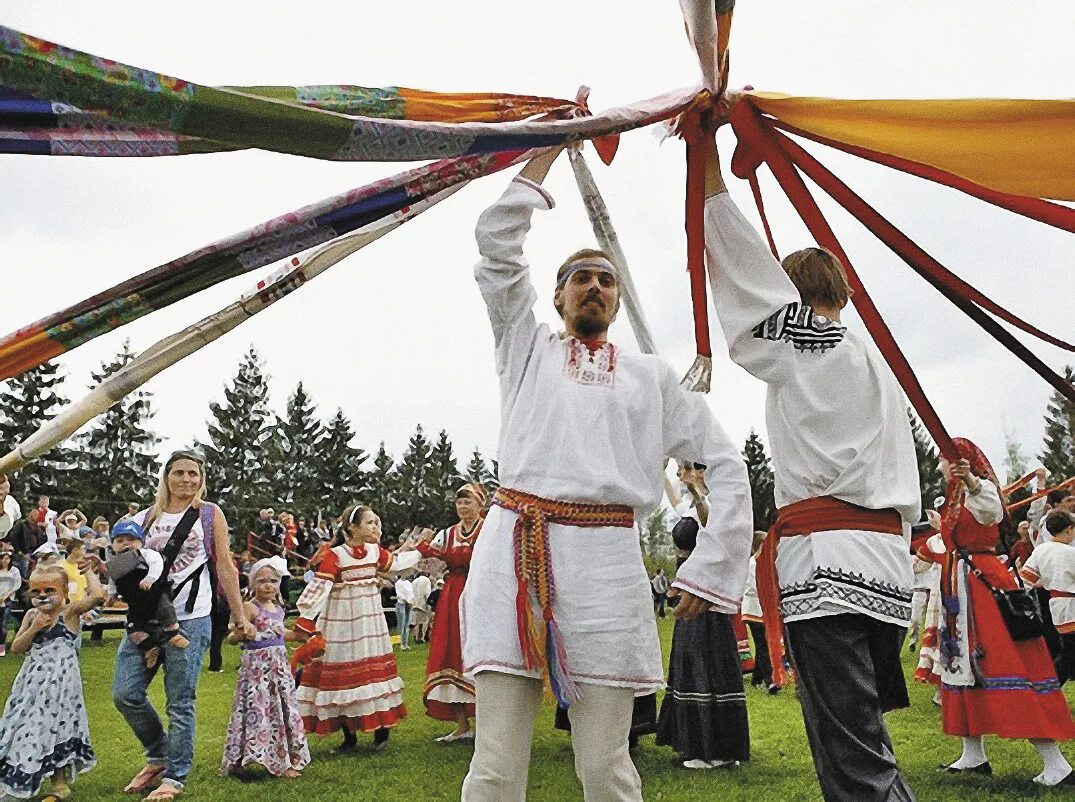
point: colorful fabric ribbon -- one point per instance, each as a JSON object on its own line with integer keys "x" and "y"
{"x": 179, "y": 346}
{"x": 1021, "y": 147}
{"x": 33, "y": 126}
{"x": 241, "y": 253}
{"x": 235, "y": 119}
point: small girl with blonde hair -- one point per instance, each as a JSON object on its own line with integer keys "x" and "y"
{"x": 44, "y": 731}
{"x": 266, "y": 726}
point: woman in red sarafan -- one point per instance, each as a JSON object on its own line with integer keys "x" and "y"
{"x": 448, "y": 695}
{"x": 990, "y": 683}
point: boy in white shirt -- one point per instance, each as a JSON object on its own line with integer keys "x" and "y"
{"x": 1052, "y": 566}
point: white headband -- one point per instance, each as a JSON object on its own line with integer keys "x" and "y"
{"x": 588, "y": 263}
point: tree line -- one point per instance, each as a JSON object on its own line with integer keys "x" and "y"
{"x": 254, "y": 457}
{"x": 301, "y": 462}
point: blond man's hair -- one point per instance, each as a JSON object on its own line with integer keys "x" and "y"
{"x": 819, "y": 277}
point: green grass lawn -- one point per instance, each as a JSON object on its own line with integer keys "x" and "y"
{"x": 414, "y": 768}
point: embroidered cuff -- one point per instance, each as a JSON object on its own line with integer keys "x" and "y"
{"x": 550, "y": 202}
{"x": 303, "y": 624}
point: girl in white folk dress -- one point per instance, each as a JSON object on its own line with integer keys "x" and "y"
{"x": 354, "y": 685}
{"x": 266, "y": 725}
{"x": 44, "y": 731}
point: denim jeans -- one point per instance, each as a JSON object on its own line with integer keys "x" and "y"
{"x": 173, "y": 749}
{"x": 403, "y": 623}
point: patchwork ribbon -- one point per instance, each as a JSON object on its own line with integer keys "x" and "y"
{"x": 179, "y": 346}
{"x": 235, "y": 119}
{"x": 241, "y": 253}
{"x": 33, "y": 126}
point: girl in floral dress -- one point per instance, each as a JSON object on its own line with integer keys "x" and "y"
{"x": 354, "y": 686}
{"x": 266, "y": 726}
{"x": 44, "y": 731}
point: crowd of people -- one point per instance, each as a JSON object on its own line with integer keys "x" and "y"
{"x": 828, "y": 592}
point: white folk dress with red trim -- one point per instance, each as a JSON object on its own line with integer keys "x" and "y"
{"x": 355, "y": 684}
{"x": 590, "y": 426}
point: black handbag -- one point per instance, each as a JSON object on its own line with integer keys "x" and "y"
{"x": 1018, "y": 607}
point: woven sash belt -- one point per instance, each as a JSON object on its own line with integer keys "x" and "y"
{"x": 540, "y": 641}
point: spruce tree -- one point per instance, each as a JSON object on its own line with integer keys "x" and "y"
{"x": 239, "y": 433}
{"x": 292, "y": 454}
{"x": 478, "y": 471}
{"x": 416, "y": 498}
{"x": 1058, "y": 451}
{"x": 1014, "y": 459}
{"x": 930, "y": 481}
{"x": 119, "y": 452}
{"x": 383, "y": 493}
{"x": 760, "y": 477}
{"x": 655, "y": 536}
{"x": 338, "y": 467}
{"x": 442, "y": 480}
{"x": 27, "y": 402}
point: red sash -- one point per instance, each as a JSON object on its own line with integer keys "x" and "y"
{"x": 805, "y": 518}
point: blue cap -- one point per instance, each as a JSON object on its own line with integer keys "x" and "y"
{"x": 127, "y": 529}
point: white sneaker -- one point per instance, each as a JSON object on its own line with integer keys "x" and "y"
{"x": 723, "y": 764}
{"x": 697, "y": 764}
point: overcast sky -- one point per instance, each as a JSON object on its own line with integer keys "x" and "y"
{"x": 397, "y": 334}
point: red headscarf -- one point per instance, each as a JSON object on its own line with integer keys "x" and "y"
{"x": 980, "y": 467}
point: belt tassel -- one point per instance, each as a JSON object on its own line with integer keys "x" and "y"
{"x": 540, "y": 641}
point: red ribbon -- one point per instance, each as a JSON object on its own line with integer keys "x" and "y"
{"x": 962, "y": 295}
{"x": 757, "y": 144}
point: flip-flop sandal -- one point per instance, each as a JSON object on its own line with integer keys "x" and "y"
{"x": 144, "y": 779}
{"x": 163, "y": 792}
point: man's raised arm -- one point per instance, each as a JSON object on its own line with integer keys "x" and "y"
{"x": 758, "y": 306}
{"x": 503, "y": 274}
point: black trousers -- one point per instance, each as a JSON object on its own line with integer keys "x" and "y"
{"x": 220, "y": 617}
{"x": 1052, "y": 637}
{"x": 763, "y": 667}
{"x": 1065, "y": 661}
{"x": 849, "y": 673}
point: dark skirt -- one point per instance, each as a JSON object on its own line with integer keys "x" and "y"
{"x": 643, "y": 716}
{"x": 704, "y": 713}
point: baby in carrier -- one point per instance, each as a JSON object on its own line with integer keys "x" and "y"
{"x": 136, "y": 575}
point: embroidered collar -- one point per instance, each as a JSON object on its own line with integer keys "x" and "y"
{"x": 587, "y": 364}
{"x": 465, "y": 537}
{"x": 359, "y": 551}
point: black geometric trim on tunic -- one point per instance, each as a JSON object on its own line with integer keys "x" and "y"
{"x": 797, "y": 324}
{"x": 882, "y": 598}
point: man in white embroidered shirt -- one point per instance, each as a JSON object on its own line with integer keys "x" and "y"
{"x": 835, "y": 564}
{"x": 585, "y": 429}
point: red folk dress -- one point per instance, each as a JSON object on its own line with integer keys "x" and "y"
{"x": 355, "y": 684}
{"x": 1014, "y": 693}
{"x": 445, "y": 684}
